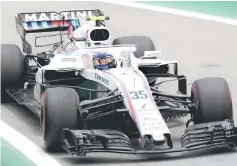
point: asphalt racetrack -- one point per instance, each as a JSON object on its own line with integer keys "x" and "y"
{"x": 202, "y": 48}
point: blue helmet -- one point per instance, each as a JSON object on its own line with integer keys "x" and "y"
{"x": 103, "y": 61}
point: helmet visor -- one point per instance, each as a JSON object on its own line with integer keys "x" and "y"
{"x": 102, "y": 61}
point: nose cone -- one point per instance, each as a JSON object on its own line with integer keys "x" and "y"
{"x": 158, "y": 139}
{"x": 148, "y": 141}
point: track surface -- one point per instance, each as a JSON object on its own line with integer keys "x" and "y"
{"x": 203, "y": 48}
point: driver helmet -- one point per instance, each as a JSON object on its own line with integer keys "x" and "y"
{"x": 103, "y": 61}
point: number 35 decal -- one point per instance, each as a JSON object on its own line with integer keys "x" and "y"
{"x": 138, "y": 95}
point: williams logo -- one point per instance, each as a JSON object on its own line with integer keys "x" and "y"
{"x": 144, "y": 105}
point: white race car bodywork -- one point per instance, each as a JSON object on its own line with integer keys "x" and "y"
{"x": 120, "y": 109}
{"x": 130, "y": 81}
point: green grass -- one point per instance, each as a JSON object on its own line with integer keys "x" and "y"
{"x": 226, "y": 9}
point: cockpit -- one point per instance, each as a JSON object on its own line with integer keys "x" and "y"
{"x": 104, "y": 61}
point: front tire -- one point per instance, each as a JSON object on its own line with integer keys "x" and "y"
{"x": 59, "y": 109}
{"x": 212, "y": 99}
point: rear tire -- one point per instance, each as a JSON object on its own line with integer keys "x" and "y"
{"x": 143, "y": 43}
{"x": 212, "y": 100}
{"x": 59, "y": 109}
{"x": 12, "y": 69}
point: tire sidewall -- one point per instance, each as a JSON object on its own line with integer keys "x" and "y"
{"x": 13, "y": 66}
{"x": 51, "y": 129}
{"x": 212, "y": 99}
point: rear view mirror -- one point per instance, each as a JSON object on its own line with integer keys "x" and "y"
{"x": 151, "y": 54}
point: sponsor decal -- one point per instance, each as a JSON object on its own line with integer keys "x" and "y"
{"x": 138, "y": 95}
{"x": 50, "y": 16}
{"x": 144, "y": 109}
{"x": 150, "y": 122}
{"x": 152, "y": 53}
{"x": 68, "y": 59}
{"x": 102, "y": 79}
{"x": 144, "y": 105}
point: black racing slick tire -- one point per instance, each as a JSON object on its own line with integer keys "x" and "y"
{"x": 12, "y": 69}
{"x": 59, "y": 109}
{"x": 143, "y": 43}
{"x": 212, "y": 99}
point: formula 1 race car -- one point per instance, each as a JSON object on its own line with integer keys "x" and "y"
{"x": 93, "y": 96}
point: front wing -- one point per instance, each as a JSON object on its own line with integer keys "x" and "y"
{"x": 81, "y": 142}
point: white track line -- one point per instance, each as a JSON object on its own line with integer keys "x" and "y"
{"x": 174, "y": 11}
{"x": 26, "y": 147}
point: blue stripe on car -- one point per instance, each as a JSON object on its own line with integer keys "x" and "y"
{"x": 34, "y": 25}
{"x": 49, "y": 23}
{"x": 75, "y": 23}
{"x": 39, "y": 24}
{"x": 29, "y": 25}
{"x": 45, "y": 24}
